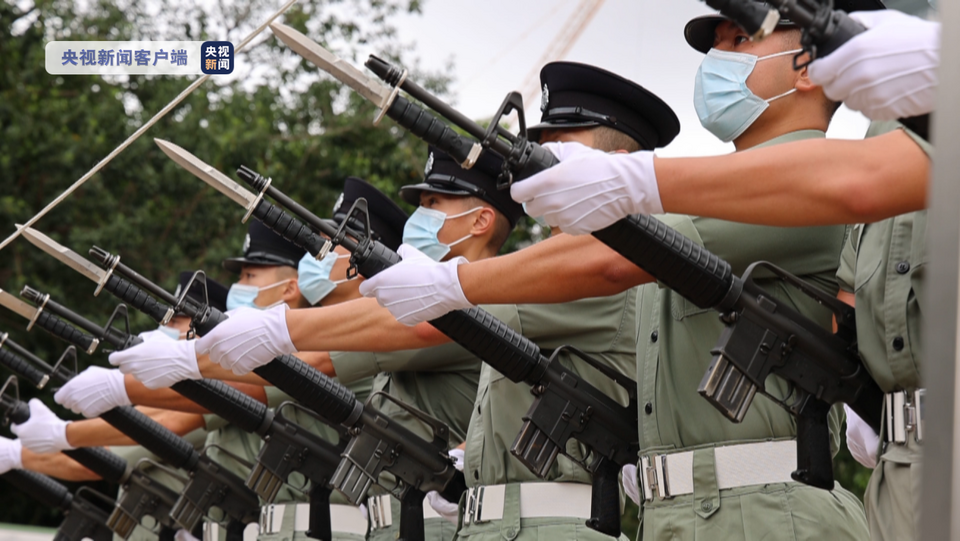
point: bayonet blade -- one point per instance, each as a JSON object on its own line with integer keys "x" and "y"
{"x": 366, "y": 86}
{"x": 16, "y": 305}
{"x": 65, "y": 255}
{"x": 207, "y": 173}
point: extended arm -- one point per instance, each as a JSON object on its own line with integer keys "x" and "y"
{"x": 96, "y": 432}
{"x": 816, "y": 182}
{"x": 56, "y": 465}
{"x": 168, "y": 399}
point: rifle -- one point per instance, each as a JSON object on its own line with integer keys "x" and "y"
{"x": 823, "y": 368}
{"x": 565, "y": 406}
{"x": 823, "y": 30}
{"x": 420, "y": 465}
{"x": 287, "y": 446}
{"x": 209, "y": 484}
{"x": 82, "y": 518}
{"x": 141, "y": 494}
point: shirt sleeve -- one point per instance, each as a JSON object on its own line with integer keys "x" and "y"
{"x": 879, "y": 128}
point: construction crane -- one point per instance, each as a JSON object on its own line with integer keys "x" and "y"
{"x": 558, "y": 49}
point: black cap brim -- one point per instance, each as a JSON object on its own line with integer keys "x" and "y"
{"x": 534, "y": 132}
{"x": 411, "y": 193}
{"x": 235, "y": 264}
{"x": 701, "y": 31}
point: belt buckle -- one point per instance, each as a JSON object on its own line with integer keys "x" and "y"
{"x": 376, "y": 513}
{"x": 475, "y": 505}
{"x": 653, "y": 476}
{"x": 267, "y": 519}
{"x": 904, "y": 414}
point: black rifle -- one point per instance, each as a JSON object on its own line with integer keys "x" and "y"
{"x": 209, "y": 484}
{"x": 142, "y": 495}
{"x": 82, "y": 518}
{"x": 763, "y": 336}
{"x": 287, "y": 446}
{"x": 823, "y": 28}
{"x": 566, "y": 406}
{"x": 377, "y": 443}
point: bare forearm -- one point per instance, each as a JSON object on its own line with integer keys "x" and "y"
{"x": 168, "y": 399}
{"x": 360, "y": 325}
{"x": 817, "y": 182}
{"x": 96, "y": 432}
{"x": 562, "y": 268}
{"x": 56, "y": 465}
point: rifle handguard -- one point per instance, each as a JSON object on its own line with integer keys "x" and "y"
{"x": 111, "y": 467}
{"x": 22, "y": 368}
{"x": 234, "y": 406}
{"x": 68, "y": 333}
{"x": 171, "y": 448}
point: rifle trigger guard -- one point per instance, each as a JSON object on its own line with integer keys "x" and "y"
{"x": 36, "y": 315}
{"x": 107, "y": 275}
{"x": 390, "y": 99}
{"x": 256, "y": 202}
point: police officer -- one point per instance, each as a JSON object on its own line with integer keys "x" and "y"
{"x": 748, "y": 93}
{"x": 601, "y": 327}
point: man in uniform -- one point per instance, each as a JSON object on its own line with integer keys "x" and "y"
{"x": 514, "y": 502}
{"x": 746, "y": 92}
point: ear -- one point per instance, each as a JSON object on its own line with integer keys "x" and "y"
{"x": 803, "y": 83}
{"x": 484, "y": 222}
{"x": 291, "y": 293}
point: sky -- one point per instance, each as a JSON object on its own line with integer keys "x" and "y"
{"x": 494, "y": 46}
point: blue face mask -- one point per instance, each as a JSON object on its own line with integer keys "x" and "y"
{"x": 242, "y": 295}
{"x": 171, "y": 332}
{"x": 725, "y": 105}
{"x": 313, "y": 276}
{"x": 422, "y": 228}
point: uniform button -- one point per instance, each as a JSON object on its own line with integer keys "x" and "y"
{"x": 706, "y": 505}
{"x": 653, "y": 336}
{"x": 898, "y": 343}
{"x": 903, "y": 267}
{"x": 648, "y": 408}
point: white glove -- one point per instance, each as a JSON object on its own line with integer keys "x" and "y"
{"x": 862, "y": 441}
{"x": 448, "y": 510}
{"x": 10, "y": 453}
{"x": 457, "y": 455}
{"x": 628, "y": 477}
{"x": 590, "y": 189}
{"x": 249, "y": 339}
{"x": 887, "y": 72}
{"x": 159, "y": 363}
{"x": 184, "y": 535}
{"x": 93, "y": 392}
{"x": 44, "y": 432}
{"x": 418, "y": 288}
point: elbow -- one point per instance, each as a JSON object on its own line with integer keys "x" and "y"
{"x": 617, "y": 274}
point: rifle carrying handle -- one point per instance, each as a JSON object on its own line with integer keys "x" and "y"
{"x": 64, "y": 331}
{"x": 134, "y": 296}
{"x": 40, "y": 487}
{"x": 108, "y": 465}
{"x": 21, "y": 367}
{"x": 236, "y": 407}
{"x": 165, "y": 444}
{"x": 681, "y": 264}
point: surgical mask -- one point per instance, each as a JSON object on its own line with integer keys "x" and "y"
{"x": 242, "y": 295}
{"x": 422, "y": 228}
{"x": 313, "y": 276}
{"x": 172, "y": 333}
{"x": 725, "y": 105}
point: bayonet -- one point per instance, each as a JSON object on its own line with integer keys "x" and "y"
{"x": 373, "y": 90}
{"x": 67, "y": 256}
{"x": 17, "y": 306}
{"x": 207, "y": 173}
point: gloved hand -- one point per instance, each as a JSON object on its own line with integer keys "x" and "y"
{"x": 159, "y": 363}
{"x": 249, "y": 339}
{"x": 93, "y": 392}
{"x": 862, "y": 441}
{"x": 631, "y": 485}
{"x": 446, "y": 509}
{"x": 418, "y": 288}
{"x": 184, "y": 535}
{"x": 887, "y": 72}
{"x": 44, "y": 432}
{"x": 10, "y": 453}
{"x": 590, "y": 189}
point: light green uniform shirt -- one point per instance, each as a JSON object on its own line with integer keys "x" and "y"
{"x": 601, "y": 327}
{"x": 675, "y": 336}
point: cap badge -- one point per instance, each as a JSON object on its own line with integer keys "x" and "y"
{"x": 246, "y": 243}
{"x": 544, "y": 98}
{"x": 336, "y": 206}
{"x": 429, "y": 167}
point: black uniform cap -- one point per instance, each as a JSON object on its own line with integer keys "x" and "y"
{"x": 700, "y": 30}
{"x": 444, "y": 175}
{"x": 265, "y": 248}
{"x": 216, "y": 292}
{"x": 386, "y": 217}
{"x": 580, "y": 96}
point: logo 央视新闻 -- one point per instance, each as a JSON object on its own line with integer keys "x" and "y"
{"x": 216, "y": 57}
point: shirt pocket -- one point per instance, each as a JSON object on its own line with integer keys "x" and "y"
{"x": 868, "y": 262}
{"x": 681, "y": 308}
